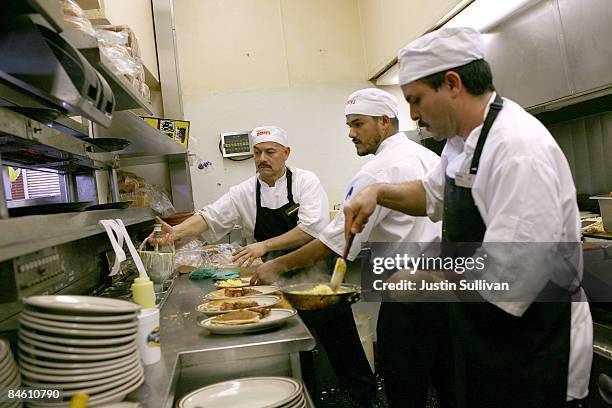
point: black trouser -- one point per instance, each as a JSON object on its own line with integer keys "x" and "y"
{"x": 414, "y": 349}
{"x": 581, "y": 403}
{"x": 336, "y": 331}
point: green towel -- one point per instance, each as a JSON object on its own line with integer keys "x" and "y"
{"x": 204, "y": 273}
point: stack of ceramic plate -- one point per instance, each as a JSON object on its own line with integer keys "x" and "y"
{"x": 251, "y": 392}
{"x": 80, "y": 343}
{"x": 9, "y": 372}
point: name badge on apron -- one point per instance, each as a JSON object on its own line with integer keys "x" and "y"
{"x": 465, "y": 180}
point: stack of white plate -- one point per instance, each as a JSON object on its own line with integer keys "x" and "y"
{"x": 9, "y": 372}
{"x": 251, "y": 392}
{"x": 80, "y": 343}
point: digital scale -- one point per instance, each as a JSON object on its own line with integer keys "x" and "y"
{"x": 236, "y": 144}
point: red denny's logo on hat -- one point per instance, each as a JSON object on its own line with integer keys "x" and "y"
{"x": 263, "y": 132}
{"x": 351, "y": 101}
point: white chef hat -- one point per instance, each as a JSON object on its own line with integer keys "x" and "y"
{"x": 371, "y": 102}
{"x": 269, "y": 134}
{"x": 438, "y": 51}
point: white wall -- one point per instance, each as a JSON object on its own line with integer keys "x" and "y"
{"x": 241, "y": 45}
{"x": 313, "y": 116}
{"x": 289, "y": 63}
{"x": 388, "y": 25}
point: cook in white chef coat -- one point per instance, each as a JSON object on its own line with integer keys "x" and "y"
{"x": 502, "y": 178}
{"x": 284, "y": 219}
{"x": 371, "y": 115}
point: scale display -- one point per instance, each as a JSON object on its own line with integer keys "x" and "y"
{"x": 236, "y": 144}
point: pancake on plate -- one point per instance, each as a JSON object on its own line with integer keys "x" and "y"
{"x": 224, "y": 305}
{"x": 241, "y": 317}
{"x": 240, "y": 292}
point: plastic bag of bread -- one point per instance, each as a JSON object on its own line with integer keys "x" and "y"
{"x": 129, "y": 182}
{"x": 125, "y": 36}
{"x": 79, "y": 23}
{"x": 113, "y": 37}
{"x": 145, "y": 91}
{"x": 71, "y": 8}
{"x": 158, "y": 200}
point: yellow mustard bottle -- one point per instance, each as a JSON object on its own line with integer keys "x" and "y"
{"x": 79, "y": 400}
{"x": 143, "y": 293}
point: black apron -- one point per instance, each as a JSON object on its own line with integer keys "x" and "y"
{"x": 334, "y": 329}
{"x": 502, "y": 360}
{"x": 271, "y": 223}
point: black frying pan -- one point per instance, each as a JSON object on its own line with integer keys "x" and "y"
{"x": 119, "y": 205}
{"x": 109, "y": 144}
{"x": 48, "y": 209}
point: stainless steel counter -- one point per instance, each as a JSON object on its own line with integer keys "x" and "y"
{"x": 192, "y": 357}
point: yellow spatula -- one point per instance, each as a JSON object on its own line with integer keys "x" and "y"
{"x": 340, "y": 267}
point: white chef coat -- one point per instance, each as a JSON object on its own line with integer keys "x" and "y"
{"x": 524, "y": 192}
{"x": 238, "y": 205}
{"x": 397, "y": 159}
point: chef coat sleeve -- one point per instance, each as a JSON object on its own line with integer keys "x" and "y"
{"x": 222, "y": 215}
{"x": 333, "y": 235}
{"x": 523, "y": 212}
{"x": 313, "y": 214}
{"x": 433, "y": 182}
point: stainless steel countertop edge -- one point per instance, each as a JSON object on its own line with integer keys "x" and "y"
{"x": 185, "y": 344}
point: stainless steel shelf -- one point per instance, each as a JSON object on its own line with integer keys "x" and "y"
{"x": 27, "y": 139}
{"x": 24, "y": 235}
{"x": 126, "y": 97}
{"x": 15, "y": 98}
{"x": 51, "y": 11}
{"x": 146, "y": 140}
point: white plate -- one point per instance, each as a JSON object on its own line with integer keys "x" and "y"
{"x": 219, "y": 293}
{"x": 75, "y": 333}
{"x": 79, "y": 326}
{"x": 299, "y": 403}
{"x": 70, "y": 384}
{"x": 6, "y": 362}
{"x": 76, "y": 350}
{"x": 78, "y": 342}
{"x": 75, "y": 317}
{"x": 7, "y": 376}
{"x": 4, "y": 350}
{"x": 108, "y": 384}
{"x": 277, "y": 317}
{"x": 254, "y": 392}
{"x": 80, "y": 304}
{"x": 72, "y": 357}
{"x": 15, "y": 381}
{"x": 262, "y": 301}
{"x": 77, "y": 365}
{"x": 245, "y": 282}
{"x": 90, "y": 373}
{"x": 115, "y": 395}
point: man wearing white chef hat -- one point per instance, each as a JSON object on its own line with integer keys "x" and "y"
{"x": 279, "y": 208}
{"x": 405, "y": 334}
{"x": 282, "y": 208}
{"x": 502, "y": 178}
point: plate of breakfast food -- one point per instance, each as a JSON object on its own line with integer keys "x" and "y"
{"x": 221, "y": 306}
{"x": 247, "y": 321}
{"x": 233, "y": 283}
{"x": 228, "y": 293}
